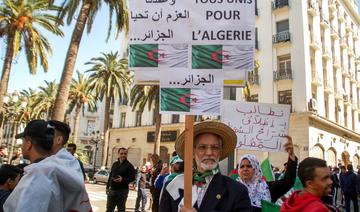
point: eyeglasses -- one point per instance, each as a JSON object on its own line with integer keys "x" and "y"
{"x": 249, "y": 166}
{"x": 203, "y": 148}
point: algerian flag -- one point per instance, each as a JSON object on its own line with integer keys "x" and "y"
{"x": 267, "y": 170}
{"x": 175, "y": 99}
{"x": 158, "y": 55}
{"x": 190, "y": 101}
{"x": 298, "y": 185}
{"x": 267, "y": 206}
{"x": 206, "y": 101}
{"x": 223, "y": 57}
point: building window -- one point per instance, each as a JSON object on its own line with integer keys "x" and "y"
{"x": 122, "y": 119}
{"x": 285, "y": 97}
{"x": 90, "y": 127}
{"x": 138, "y": 118}
{"x": 256, "y": 39}
{"x": 282, "y": 26}
{"x": 284, "y": 63}
{"x": 254, "y": 98}
{"x": 230, "y": 93}
{"x": 175, "y": 119}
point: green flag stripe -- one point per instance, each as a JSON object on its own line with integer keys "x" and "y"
{"x": 202, "y": 56}
{"x": 170, "y": 99}
{"x": 267, "y": 170}
{"x": 143, "y": 55}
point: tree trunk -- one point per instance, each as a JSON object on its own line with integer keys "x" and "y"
{"x": 1, "y": 129}
{"x": 6, "y": 69}
{"x": 76, "y": 123}
{"x": 13, "y": 140}
{"x": 106, "y": 131}
{"x": 157, "y": 129}
{"x": 64, "y": 87}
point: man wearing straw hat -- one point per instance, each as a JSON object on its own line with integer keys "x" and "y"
{"x": 211, "y": 191}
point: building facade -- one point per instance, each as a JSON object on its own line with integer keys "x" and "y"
{"x": 311, "y": 52}
{"x": 309, "y": 57}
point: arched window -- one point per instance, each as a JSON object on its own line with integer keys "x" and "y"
{"x": 356, "y": 162}
{"x": 318, "y": 151}
{"x": 331, "y": 157}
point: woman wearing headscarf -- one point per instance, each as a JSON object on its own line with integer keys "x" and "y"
{"x": 251, "y": 176}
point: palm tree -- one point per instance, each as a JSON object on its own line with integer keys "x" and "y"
{"x": 140, "y": 96}
{"x": 18, "y": 24}
{"x": 29, "y": 96}
{"x": 79, "y": 96}
{"x": 14, "y": 113}
{"x": 88, "y": 11}
{"x": 110, "y": 79}
{"x": 44, "y": 103}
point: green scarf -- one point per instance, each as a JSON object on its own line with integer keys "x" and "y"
{"x": 172, "y": 176}
{"x": 200, "y": 177}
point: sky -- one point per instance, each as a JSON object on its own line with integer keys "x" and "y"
{"x": 91, "y": 46}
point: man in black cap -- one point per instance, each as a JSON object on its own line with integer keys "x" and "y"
{"x": 50, "y": 182}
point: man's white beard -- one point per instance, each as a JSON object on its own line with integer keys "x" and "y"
{"x": 208, "y": 167}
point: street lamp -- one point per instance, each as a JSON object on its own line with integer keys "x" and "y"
{"x": 96, "y": 138}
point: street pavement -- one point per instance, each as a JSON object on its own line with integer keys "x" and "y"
{"x": 98, "y": 198}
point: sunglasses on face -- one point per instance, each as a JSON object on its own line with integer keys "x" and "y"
{"x": 246, "y": 166}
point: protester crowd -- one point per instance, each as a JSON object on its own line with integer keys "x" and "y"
{"x": 44, "y": 176}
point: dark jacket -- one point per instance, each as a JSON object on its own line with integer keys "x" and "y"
{"x": 125, "y": 170}
{"x": 155, "y": 172}
{"x": 281, "y": 187}
{"x": 82, "y": 169}
{"x": 349, "y": 182}
{"x": 358, "y": 183}
{"x": 4, "y": 194}
{"x": 336, "y": 182}
{"x": 223, "y": 194}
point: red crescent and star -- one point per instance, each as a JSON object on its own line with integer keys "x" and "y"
{"x": 220, "y": 56}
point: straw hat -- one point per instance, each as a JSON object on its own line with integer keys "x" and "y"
{"x": 226, "y": 134}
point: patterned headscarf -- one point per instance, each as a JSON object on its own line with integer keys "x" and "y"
{"x": 257, "y": 187}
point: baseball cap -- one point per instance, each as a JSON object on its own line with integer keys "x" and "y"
{"x": 176, "y": 159}
{"x": 40, "y": 130}
{"x": 62, "y": 127}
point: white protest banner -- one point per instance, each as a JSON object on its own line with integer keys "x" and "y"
{"x": 192, "y": 34}
{"x": 191, "y": 92}
{"x": 192, "y": 79}
{"x": 257, "y": 126}
{"x": 174, "y": 21}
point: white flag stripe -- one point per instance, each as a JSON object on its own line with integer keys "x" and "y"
{"x": 241, "y": 57}
{"x": 173, "y": 55}
{"x": 207, "y": 101}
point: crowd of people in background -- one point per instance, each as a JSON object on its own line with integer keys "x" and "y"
{"x": 43, "y": 166}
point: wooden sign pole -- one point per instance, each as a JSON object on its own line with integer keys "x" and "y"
{"x": 188, "y": 152}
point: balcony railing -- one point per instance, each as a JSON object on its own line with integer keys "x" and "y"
{"x": 253, "y": 78}
{"x": 282, "y": 74}
{"x": 281, "y": 37}
{"x": 313, "y": 7}
{"x": 279, "y": 4}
